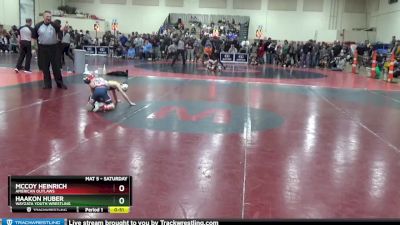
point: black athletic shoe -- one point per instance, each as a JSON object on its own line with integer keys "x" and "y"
{"x": 63, "y": 86}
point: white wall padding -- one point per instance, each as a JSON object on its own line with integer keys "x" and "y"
{"x": 372, "y": 5}
{"x": 219, "y": 4}
{"x": 355, "y": 6}
{"x": 146, "y": 2}
{"x": 313, "y": 5}
{"x": 118, "y": 2}
{"x": 82, "y": 1}
{"x": 248, "y": 4}
{"x": 282, "y": 5}
{"x": 174, "y": 3}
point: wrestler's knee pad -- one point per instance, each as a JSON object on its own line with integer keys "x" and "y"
{"x": 98, "y": 106}
{"x": 108, "y": 107}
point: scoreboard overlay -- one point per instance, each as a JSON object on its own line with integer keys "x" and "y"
{"x": 94, "y": 194}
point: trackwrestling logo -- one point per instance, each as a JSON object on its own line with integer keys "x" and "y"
{"x": 33, "y": 222}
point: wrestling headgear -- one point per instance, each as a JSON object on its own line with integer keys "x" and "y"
{"x": 88, "y": 78}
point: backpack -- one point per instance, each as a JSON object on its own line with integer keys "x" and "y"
{"x": 118, "y": 73}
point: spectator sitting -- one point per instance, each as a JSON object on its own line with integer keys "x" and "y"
{"x": 107, "y": 38}
{"x": 119, "y": 50}
{"x": 244, "y": 47}
{"x": 131, "y": 52}
{"x": 14, "y": 39}
{"x": 147, "y": 49}
{"x": 4, "y": 42}
{"x": 87, "y": 40}
{"x": 232, "y": 49}
{"x": 123, "y": 39}
{"x": 97, "y": 42}
{"x": 193, "y": 30}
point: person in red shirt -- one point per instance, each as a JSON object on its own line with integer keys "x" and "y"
{"x": 260, "y": 52}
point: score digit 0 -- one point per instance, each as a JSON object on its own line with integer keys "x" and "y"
{"x": 121, "y": 188}
{"x": 121, "y": 201}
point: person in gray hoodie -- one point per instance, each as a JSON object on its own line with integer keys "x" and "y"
{"x": 180, "y": 51}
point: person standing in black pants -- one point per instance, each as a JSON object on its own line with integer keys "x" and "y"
{"x": 66, "y": 42}
{"x": 25, "y": 47}
{"x": 59, "y": 45}
{"x": 46, "y": 33}
{"x": 180, "y": 51}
